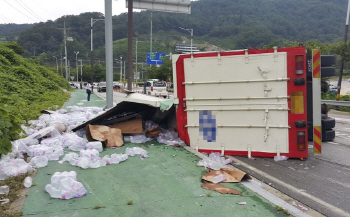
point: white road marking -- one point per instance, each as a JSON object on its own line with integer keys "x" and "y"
{"x": 334, "y": 143}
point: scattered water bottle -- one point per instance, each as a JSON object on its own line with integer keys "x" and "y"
{"x": 4, "y": 189}
{"x": 54, "y": 192}
{"x": 130, "y": 152}
{"x": 58, "y": 176}
{"x": 212, "y": 165}
{"x": 84, "y": 162}
{"x": 39, "y": 161}
{"x": 28, "y": 181}
{"x": 95, "y": 145}
{"x": 218, "y": 178}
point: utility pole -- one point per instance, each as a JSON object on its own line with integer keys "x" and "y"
{"x": 342, "y": 61}
{"x": 109, "y": 53}
{"x": 121, "y": 70}
{"x": 136, "y": 63}
{"x": 130, "y": 18}
{"x": 65, "y": 50}
{"x": 61, "y": 66}
{"x": 56, "y": 63}
{"x": 151, "y": 31}
{"x": 92, "y": 47}
{"x": 81, "y": 70}
{"x": 124, "y": 73}
{"x": 76, "y": 63}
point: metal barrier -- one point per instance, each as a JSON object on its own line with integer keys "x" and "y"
{"x": 336, "y": 103}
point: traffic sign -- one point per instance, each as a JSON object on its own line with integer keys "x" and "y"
{"x": 155, "y": 58}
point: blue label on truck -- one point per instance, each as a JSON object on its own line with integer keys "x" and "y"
{"x": 207, "y": 126}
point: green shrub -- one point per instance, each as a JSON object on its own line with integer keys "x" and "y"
{"x": 26, "y": 89}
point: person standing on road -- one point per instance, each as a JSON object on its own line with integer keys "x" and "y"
{"x": 88, "y": 90}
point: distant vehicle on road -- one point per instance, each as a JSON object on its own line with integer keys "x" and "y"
{"x": 156, "y": 88}
{"x": 74, "y": 85}
{"x": 101, "y": 87}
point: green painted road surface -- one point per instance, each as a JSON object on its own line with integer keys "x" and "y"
{"x": 80, "y": 96}
{"x": 168, "y": 183}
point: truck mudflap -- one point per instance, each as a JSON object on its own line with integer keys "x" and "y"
{"x": 243, "y": 102}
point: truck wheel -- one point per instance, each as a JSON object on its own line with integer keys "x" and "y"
{"x": 328, "y": 60}
{"x": 327, "y": 72}
{"x": 330, "y": 135}
{"x": 328, "y": 123}
{"x": 324, "y": 108}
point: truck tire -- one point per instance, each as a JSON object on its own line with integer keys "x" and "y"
{"x": 330, "y": 135}
{"x": 324, "y": 108}
{"x": 328, "y": 123}
{"x": 327, "y": 60}
{"x": 327, "y": 72}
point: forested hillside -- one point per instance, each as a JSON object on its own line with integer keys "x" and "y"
{"x": 229, "y": 24}
{"x": 10, "y": 32}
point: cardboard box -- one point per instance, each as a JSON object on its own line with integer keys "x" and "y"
{"x": 112, "y": 137}
{"x": 129, "y": 127}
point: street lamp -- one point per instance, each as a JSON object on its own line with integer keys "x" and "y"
{"x": 81, "y": 71}
{"x": 92, "y": 45}
{"x": 56, "y": 63}
{"x": 76, "y": 63}
{"x": 121, "y": 70}
{"x": 188, "y": 30}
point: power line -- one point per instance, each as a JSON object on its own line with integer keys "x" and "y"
{"x": 31, "y": 11}
{"x": 4, "y": 18}
{"x": 19, "y": 10}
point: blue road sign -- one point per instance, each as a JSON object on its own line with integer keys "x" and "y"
{"x": 155, "y": 58}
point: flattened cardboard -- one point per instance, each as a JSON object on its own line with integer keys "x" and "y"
{"x": 234, "y": 176}
{"x": 129, "y": 127}
{"x": 111, "y": 136}
{"x": 220, "y": 188}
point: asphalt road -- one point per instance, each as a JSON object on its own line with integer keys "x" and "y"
{"x": 321, "y": 181}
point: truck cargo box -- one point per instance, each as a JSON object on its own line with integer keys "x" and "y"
{"x": 243, "y": 102}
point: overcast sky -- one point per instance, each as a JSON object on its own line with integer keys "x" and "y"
{"x": 34, "y": 11}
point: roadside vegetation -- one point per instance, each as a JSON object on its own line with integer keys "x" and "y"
{"x": 26, "y": 89}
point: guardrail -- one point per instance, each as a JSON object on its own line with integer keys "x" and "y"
{"x": 336, "y": 103}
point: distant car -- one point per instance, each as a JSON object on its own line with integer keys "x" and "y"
{"x": 156, "y": 88}
{"x": 101, "y": 87}
{"x": 74, "y": 85}
{"x": 116, "y": 86}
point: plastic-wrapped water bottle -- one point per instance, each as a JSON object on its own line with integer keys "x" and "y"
{"x": 39, "y": 161}
{"x": 107, "y": 159}
{"x": 218, "y": 178}
{"x": 212, "y": 165}
{"x": 54, "y": 156}
{"x": 84, "y": 162}
{"x": 95, "y": 145}
{"x": 97, "y": 163}
{"x": 4, "y": 189}
{"x": 66, "y": 195}
{"x": 58, "y": 176}
{"x": 28, "y": 181}
{"x": 74, "y": 162}
{"x": 90, "y": 153}
{"x": 130, "y": 152}
{"x": 54, "y": 192}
